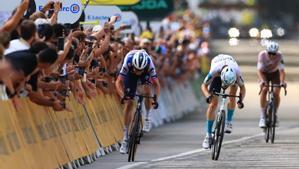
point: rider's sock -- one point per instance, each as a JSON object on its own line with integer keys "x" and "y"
{"x": 126, "y": 133}
{"x": 230, "y": 114}
{"x": 263, "y": 113}
{"x": 209, "y": 126}
{"x": 147, "y": 114}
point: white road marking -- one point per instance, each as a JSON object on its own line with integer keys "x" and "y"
{"x": 188, "y": 152}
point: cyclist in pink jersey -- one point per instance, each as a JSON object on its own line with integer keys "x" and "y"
{"x": 270, "y": 67}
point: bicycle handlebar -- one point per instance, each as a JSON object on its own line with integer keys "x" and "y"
{"x": 225, "y": 95}
{"x": 143, "y": 96}
{"x": 274, "y": 85}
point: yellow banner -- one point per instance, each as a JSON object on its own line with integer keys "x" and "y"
{"x": 110, "y": 2}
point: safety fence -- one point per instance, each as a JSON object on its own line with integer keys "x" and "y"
{"x": 40, "y": 138}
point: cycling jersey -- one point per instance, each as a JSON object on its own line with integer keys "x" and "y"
{"x": 128, "y": 66}
{"x": 217, "y": 64}
{"x": 270, "y": 65}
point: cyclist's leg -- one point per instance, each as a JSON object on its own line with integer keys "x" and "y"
{"x": 231, "y": 108}
{"x": 148, "y": 102}
{"x": 130, "y": 87}
{"x": 232, "y": 102}
{"x": 263, "y": 104}
{"x": 210, "y": 113}
{"x": 146, "y": 90}
{"x": 276, "y": 80}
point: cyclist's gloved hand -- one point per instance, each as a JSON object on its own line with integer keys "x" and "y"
{"x": 283, "y": 84}
{"x": 240, "y": 104}
{"x": 156, "y": 105}
{"x": 125, "y": 97}
{"x": 209, "y": 99}
{"x": 262, "y": 84}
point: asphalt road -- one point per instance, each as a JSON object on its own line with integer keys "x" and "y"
{"x": 178, "y": 145}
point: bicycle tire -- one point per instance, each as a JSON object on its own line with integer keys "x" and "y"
{"x": 134, "y": 134}
{"x": 268, "y": 123}
{"x": 218, "y": 136}
{"x": 273, "y": 124}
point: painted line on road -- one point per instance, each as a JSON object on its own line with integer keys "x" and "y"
{"x": 188, "y": 152}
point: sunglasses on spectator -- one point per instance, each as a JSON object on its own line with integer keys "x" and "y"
{"x": 271, "y": 53}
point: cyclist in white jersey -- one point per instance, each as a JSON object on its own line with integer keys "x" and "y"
{"x": 224, "y": 74}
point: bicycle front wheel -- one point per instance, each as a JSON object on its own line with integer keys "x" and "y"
{"x": 134, "y": 137}
{"x": 218, "y": 135}
{"x": 273, "y": 124}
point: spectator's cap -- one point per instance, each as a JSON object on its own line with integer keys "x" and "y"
{"x": 144, "y": 41}
{"x": 41, "y": 21}
{"x": 97, "y": 28}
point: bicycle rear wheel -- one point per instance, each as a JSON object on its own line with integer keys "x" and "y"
{"x": 218, "y": 135}
{"x": 134, "y": 137}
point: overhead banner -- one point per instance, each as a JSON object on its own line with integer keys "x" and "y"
{"x": 102, "y": 14}
{"x": 70, "y": 12}
{"x": 150, "y": 9}
{"x": 130, "y": 18}
{"x": 110, "y": 2}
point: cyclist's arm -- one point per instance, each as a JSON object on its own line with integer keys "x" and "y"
{"x": 281, "y": 71}
{"x": 282, "y": 75}
{"x": 242, "y": 91}
{"x": 205, "y": 84}
{"x": 119, "y": 83}
{"x": 156, "y": 85}
{"x": 260, "y": 74}
{"x": 241, "y": 84}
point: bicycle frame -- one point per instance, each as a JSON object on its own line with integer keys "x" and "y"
{"x": 218, "y": 127}
{"x": 136, "y": 128}
{"x": 271, "y": 111}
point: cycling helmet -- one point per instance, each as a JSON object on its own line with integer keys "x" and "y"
{"x": 228, "y": 76}
{"x": 140, "y": 59}
{"x": 272, "y": 47}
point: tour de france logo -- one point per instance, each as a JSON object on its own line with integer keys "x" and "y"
{"x": 75, "y": 8}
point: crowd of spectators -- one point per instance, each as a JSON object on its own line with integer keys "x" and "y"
{"x": 47, "y": 61}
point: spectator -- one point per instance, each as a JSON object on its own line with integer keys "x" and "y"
{"x": 27, "y": 37}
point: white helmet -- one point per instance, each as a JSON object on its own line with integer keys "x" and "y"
{"x": 228, "y": 76}
{"x": 272, "y": 47}
{"x": 140, "y": 59}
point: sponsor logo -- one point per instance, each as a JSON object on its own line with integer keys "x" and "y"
{"x": 73, "y": 8}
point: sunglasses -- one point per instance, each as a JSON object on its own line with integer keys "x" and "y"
{"x": 271, "y": 53}
{"x": 137, "y": 70}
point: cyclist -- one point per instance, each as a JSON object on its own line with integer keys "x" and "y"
{"x": 224, "y": 73}
{"x": 270, "y": 67}
{"x": 138, "y": 68}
